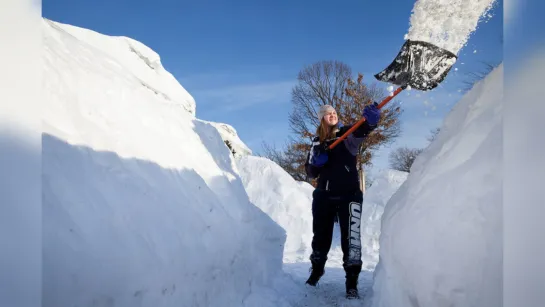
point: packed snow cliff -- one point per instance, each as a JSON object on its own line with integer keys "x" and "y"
{"x": 441, "y": 236}
{"x": 142, "y": 202}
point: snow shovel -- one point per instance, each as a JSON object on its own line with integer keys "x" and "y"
{"x": 426, "y": 65}
{"x": 418, "y": 65}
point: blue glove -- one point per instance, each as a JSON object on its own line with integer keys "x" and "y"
{"x": 372, "y": 114}
{"x": 319, "y": 155}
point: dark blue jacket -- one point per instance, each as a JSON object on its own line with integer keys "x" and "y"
{"x": 339, "y": 173}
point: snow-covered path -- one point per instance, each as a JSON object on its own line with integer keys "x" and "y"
{"x": 330, "y": 290}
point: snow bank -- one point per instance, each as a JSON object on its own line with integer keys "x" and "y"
{"x": 441, "y": 240}
{"x": 446, "y": 24}
{"x": 286, "y": 201}
{"x": 142, "y": 203}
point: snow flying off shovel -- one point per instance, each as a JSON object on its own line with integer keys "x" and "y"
{"x": 420, "y": 65}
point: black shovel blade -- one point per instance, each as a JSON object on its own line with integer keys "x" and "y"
{"x": 420, "y": 65}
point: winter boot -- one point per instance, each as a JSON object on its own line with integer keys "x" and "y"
{"x": 317, "y": 271}
{"x": 352, "y": 285}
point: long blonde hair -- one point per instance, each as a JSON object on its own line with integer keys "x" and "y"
{"x": 326, "y": 132}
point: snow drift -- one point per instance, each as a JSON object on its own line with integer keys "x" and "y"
{"x": 441, "y": 236}
{"x": 142, "y": 203}
{"x": 289, "y": 203}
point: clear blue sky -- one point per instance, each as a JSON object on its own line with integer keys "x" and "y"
{"x": 239, "y": 59}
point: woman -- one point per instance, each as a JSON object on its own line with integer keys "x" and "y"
{"x": 337, "y": 194}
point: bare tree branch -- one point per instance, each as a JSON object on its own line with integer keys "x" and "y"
{"x": 403, "y": 158}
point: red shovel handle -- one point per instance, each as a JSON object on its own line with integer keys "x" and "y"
{"x": 362, "y": 120}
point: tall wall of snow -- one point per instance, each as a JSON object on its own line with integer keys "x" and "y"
{"x": 142, "y": 203}
{"x": 441, "y": 237}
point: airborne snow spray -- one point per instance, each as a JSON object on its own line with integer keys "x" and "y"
{"x": 447, "y": 23}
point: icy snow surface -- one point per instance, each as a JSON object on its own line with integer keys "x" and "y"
{"x": 441, "y": 236}
{"x": 446, "y": 23}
